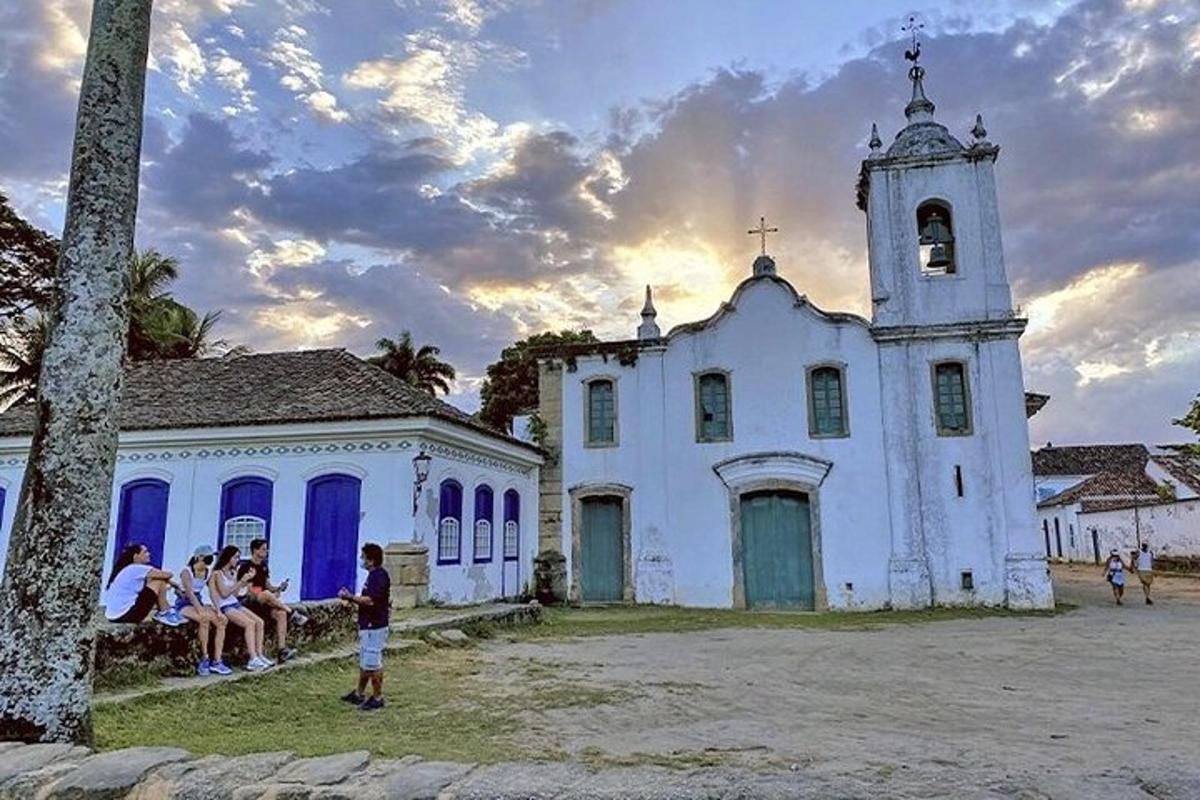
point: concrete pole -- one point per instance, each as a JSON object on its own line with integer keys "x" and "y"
{"x": 52, "y": 574}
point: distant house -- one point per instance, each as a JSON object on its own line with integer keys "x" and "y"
{"x": 1093, "y": 498}
{"x": 312, "y": 450}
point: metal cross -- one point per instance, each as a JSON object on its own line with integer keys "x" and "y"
{"x": 762, "y": 230}
{"x": 912, "y": 27}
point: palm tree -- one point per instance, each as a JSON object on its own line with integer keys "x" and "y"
{"x": 417, "y": 367}
{"x": 21, "y": 344}
{"x": 150, "y": 273}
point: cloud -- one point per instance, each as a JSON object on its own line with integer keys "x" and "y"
{"x": 302, "y": 73}
{"x": 233, "y": 75}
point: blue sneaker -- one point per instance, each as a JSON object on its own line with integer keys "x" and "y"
{"x": 219, "y": 668}
{"x": 204, "y": 669}
{"x": 372, "y": 704}
{"x": 170, "y": 618}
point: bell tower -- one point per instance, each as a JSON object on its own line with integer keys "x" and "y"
{"x": 933, "y": 223}
{"x": 956, "y": 442}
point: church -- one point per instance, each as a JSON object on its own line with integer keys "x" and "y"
{"x": 776, "y": 455}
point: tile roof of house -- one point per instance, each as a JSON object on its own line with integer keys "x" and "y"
{"x": 1109, "y": 485}
{"x": 264, "y": 389}
{"x": 1090, "y": 459}
{"x": 1183, "y": 468}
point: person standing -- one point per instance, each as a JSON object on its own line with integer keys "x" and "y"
{"x": 1145, "y": 570}
{"x": 264, "y": 597}
{"x": 1114, "y": 573}
{"x": 372, "y": 628}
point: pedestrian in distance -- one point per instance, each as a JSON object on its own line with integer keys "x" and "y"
{"x": 1144, "y": 566}
{"x": 1114, "y": 573}
{"x": 372, "y": 628}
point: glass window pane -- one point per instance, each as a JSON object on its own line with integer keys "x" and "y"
{"x": 601, "y": 412}
{"x": 714, "y": 407}
{"x": 828, "y": 416}
{"x": 951, "y": 398}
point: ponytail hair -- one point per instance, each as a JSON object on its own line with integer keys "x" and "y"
{"x": 124, "y": 560}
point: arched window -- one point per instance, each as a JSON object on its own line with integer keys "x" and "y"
{"x": 142, "y": 517}
{"x": 512, "y": 525}
{"x": 245, "y": 511}
{"x": 951, "y": 399}
{"x": 483, "y": 524}
{"x": 826, "y": 402}
{"x": 450, "y": 523}
{"x": 936, "y": 238}
{"x": 600, "y": 426}
{"x": 714, "y": 420}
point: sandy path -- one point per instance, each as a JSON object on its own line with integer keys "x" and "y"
{"x": 1097, "y": 691}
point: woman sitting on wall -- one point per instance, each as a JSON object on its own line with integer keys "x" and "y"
{"x": 191, "y": 601}
{"x": 136, "y": 588}
{"x": 225, "y": 587}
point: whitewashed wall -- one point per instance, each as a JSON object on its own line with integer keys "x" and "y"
{"x": 1171, "y": 528}
{"x": 197, "y": 463}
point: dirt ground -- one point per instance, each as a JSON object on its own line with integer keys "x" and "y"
{"x": 1103, "y": 701}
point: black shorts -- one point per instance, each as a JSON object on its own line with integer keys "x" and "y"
{"x": 147, "y": 601}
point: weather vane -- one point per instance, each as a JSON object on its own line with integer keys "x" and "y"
{"x": 911, "y": 28}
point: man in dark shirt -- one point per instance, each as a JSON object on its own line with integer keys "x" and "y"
{"x": 264, "y": 597}
{"x": 373, "y": 606}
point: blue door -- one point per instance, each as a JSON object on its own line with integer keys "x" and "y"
{"x": 246, "y": 501}
{"x": 142, "y": 517}
{"x": 330, "y": 536}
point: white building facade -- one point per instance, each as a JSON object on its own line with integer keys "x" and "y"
{"x": 319, "y": 464}
{"x": 775, "y": 455}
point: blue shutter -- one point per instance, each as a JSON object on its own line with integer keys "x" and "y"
{"x": 246, "y": 496}
{"x": 512, "y": 513}
{"x": 484, "y": 503}
{"x": 142, "y": 517}
{"x": 449, "y": 507}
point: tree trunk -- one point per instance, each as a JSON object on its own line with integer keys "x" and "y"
{"x": 52, "y": 574}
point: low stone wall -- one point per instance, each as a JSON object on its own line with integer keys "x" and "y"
{"x": 1185, "y": 565}
{"x": 156, "y": 649}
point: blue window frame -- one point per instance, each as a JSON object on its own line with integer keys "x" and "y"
{"x": 245, "y": 512}
{"x": 512, "y": 525}
{"x": 449, "y": 542}
{"x": 142, "y": 517}
{"x": 484, "y": 504}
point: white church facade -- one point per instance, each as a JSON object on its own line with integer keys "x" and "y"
{"x": 777, "y": 455}
{"x": 318, "y": 452}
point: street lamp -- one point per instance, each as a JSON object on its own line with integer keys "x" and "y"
{"x": 421, "y": 470}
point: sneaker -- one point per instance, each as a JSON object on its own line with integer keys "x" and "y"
{"x": 1149, "y": 602}
{"x": 286, "y": 654}
{"x": 255, "y": 665}
{"x": 353, "y": 698}
{"x": 298, "y": 619}
{"x": 171, "y": 618}
{"x": 205, "y": 668}
{"x": 219, "y": 668}
{"x": 372, "y": 703}
{"x": 270, "y": 662}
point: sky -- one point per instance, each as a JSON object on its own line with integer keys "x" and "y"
{"x": 329, "y": 172}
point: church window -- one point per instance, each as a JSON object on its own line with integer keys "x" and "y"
{"x": 951, "y": 397}
{"x": 827, "y": 402}
{"x": 936, "y": 238}
{"x": 483, "y": 523}
{"x": 449, "y": 523}
{"x": 714, "y": 422}
{"x": 512, "y": 525}
{"x": 601, "y": 412}
{"x": 240, "y": 531}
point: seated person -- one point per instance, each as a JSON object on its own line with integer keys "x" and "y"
{"x": 136, "y": 588}
{"x": 264, "y": 597}
{"x": 191, "y": 601}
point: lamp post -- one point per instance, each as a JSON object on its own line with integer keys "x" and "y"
{"x": 421, "y": 471}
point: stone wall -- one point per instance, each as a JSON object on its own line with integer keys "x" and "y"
{"x": 152, "y": 648}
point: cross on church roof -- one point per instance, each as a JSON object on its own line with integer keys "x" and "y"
{"x": 762, "y": 230}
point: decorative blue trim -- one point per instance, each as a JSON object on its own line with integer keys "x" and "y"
{"x": 512, "y": 513}
{"x": 449, "y": 507}
{"x": 485, "y": 500}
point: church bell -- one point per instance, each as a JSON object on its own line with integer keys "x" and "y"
{"x": 937, "y": 234}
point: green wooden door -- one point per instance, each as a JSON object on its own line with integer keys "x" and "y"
{"x": 777, "y": 551}
{"x": 601, "y": 574}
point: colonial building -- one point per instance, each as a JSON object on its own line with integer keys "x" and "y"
{"x": 1094, "y": 498}
{"x": 318, "y": 452}
{"x": 779, "y": 455}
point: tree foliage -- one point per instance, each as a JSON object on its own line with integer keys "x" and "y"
{"x": 416, "y": 366}
{"x": 511, "y": 386}
{"x": 160, "y": 327}
{"x": 1191, "y": 421}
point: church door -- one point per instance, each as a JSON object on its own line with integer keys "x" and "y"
{"x": 330, "y": 536}
{"x": 777, "y": 559}
{"x": 601, "y": 573}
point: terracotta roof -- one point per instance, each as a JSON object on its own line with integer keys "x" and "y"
{"x": 1118, "y": 485}
{"x": 1090, "y": 459}
{"x": 1185, "y": 469}
{"x": 264, "y": 389}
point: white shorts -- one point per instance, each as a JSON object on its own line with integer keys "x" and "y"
{"x": 370, "y": 649}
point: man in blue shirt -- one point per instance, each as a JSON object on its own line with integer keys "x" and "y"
{"x": 372, "y": 628}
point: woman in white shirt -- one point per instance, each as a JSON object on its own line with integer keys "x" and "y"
{"x": 136, "y": 588}
{"x": 191, "y": 600}
{"x": 225, "y": 587}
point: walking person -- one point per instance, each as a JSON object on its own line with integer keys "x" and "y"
{"x": 1114, "y": 573}
{"x": 264, "y": 597}
{"x": 191, "y": 601}
{"x": 372, "y": 628}
{"x": 1145, "y": 570}
{"x": 136, "y": 588}
{"x": 225, "y": 587}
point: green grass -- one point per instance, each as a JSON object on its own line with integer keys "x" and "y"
{"x": 438, "y": 707}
